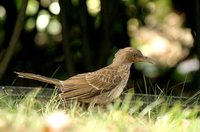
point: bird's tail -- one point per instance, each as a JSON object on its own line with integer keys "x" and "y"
{"x": 39, "y": 78}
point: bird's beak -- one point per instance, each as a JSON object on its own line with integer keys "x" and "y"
{"x": 145, "y": 59}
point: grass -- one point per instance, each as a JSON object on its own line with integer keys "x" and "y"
{"x": 27, "y": 113}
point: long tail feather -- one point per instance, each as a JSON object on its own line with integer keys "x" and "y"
{"x": 39, "y": 78}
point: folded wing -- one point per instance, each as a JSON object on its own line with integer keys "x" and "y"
{"x": 89, "y": 85}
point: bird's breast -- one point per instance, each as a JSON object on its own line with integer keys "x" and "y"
{"x": 124, "y": 73}
{"x": 119, "y": 89}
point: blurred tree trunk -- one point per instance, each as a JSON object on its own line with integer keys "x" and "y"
{"x": 14, "y": 39}
{"x": 87, "y": 53}
{"x": 196, "y": 82}
{"x": 108, "y": 15}
{"x": 65, "y": 6}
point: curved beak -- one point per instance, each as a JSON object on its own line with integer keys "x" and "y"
{"x": 145, "y": 59}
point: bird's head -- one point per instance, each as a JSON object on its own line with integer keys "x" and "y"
{"x": 131, "y": 55}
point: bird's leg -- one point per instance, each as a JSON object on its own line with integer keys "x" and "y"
{"x": 92, "y": 103}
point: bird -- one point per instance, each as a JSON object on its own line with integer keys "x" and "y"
{"x": 99, "y": 87}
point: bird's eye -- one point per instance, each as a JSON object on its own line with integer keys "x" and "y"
{"x": 134, "y": 55}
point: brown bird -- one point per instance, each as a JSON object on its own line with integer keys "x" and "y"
{"x": 98, "y": 87}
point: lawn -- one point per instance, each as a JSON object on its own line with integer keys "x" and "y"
{"x": 29, "y": 114}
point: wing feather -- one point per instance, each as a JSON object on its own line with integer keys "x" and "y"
{"x": 104, "y": 79}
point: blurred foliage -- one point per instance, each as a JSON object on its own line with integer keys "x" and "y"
{"x": 75, "y": 36}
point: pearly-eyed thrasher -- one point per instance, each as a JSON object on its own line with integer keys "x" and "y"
{"x": 98, "y": 87}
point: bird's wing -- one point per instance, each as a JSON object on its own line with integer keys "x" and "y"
{"x": 90, "y": 84}
{"x": 103, "y": 79}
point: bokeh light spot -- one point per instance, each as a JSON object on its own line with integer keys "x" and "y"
{"x": 2, "y": 12}
{"x": 54, "y": 8}
{"x": 188, "y": 66}
{"x": 42, "y": 20}
{"x": 30, "y": 24}
{"x": 32, "y": 7}
{"x": 54, "y": 27}
{"x": 93, "y": 6}
{"x": 45, "y": 3}
{"x": 41, "y": 39}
